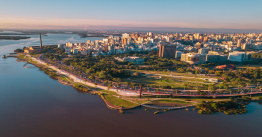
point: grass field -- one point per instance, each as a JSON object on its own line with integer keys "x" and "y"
{"x": 166, "y": 81}
{"x": 202, "y": 99}
{"x": 170, "y": 101}
{"x": 167, "y": 73}
{"x": 138, "y": 100}
{"x": 119, "y": 102}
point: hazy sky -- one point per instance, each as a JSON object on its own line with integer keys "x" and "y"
{"x": 81, "y": 14}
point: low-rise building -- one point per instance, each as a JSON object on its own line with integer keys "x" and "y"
{"x": 193, "y": 58}
{"x": 239, "y": 56}
{"x": 33, "y": 49}
{"x": 178, "y": 54}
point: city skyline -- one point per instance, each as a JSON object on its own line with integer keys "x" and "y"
{"x": 85, "y": 15}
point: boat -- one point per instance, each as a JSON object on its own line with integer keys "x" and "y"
{"x": 4, "y": 56}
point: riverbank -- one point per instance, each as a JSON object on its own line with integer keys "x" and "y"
{"x": 45, "y": 101}
{"x": 113, "y": 98}
{"x": 70, "y": 80}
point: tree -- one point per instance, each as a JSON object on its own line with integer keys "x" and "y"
{"x": 91, "y": 77}
{"x": 255, "y": 75}
{"x": 217, "y": 73}
{"x": 214, "y": 106}
{"x": 102, "y": 74}
{"x": 196, "y": 72}
{"x": 203, "y": 93}
{"x": 212, "y": 87}
{"x": 135, "y": 74}
{"x": 142, "y": 85}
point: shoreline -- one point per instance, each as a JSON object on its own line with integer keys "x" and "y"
{"x": 70, "y": 83}
{"x": 109, "y": 104}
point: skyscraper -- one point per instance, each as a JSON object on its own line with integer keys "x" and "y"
{"x": 167, "y": 51}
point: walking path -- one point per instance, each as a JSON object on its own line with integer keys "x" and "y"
{"x": 76, "y": 79}
{"x": 121, "y": 91}
{"x": 170, "y": 108}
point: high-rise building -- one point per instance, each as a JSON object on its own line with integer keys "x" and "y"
{"x": 150, "y": 34}
{"x": 239, "y": 43}
{"x": 105, "y": 48}
{"x": 125, "y": 35}
{"x": 111, "y": 49}
{"x": 167, "y": 51}
{"x": 196, "y": 36}
{"x": 124, "y": 41}
{"x": 205, "y": 39}
{"x": 201, "y": 38}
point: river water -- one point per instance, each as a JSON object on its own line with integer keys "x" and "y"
{"x": 32, "y": 104}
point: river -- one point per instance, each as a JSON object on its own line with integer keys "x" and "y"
{"x": 32, "y": 104}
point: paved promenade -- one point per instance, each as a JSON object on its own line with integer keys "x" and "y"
{"x": 132, "y": 92}
{"x": 79, "y": 80}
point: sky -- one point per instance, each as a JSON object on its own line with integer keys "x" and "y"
{"x": 112, "y": 14}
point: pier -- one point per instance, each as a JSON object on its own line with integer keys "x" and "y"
{"x": 10, "y": 55}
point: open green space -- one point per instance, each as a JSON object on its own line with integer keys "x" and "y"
{"x": 202, "y": 99}
{"x": 166, "y": 82}
{"x": 119, "y": 102}
{"x": 169, "y": 101}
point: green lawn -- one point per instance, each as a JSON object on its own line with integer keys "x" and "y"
{"x": 119, "y": 102}
{"x": 202, "y": 99}
{"x": 139, "y": 101}
{"x": 170, "y": 101}
{"x": 164, "y": 82}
